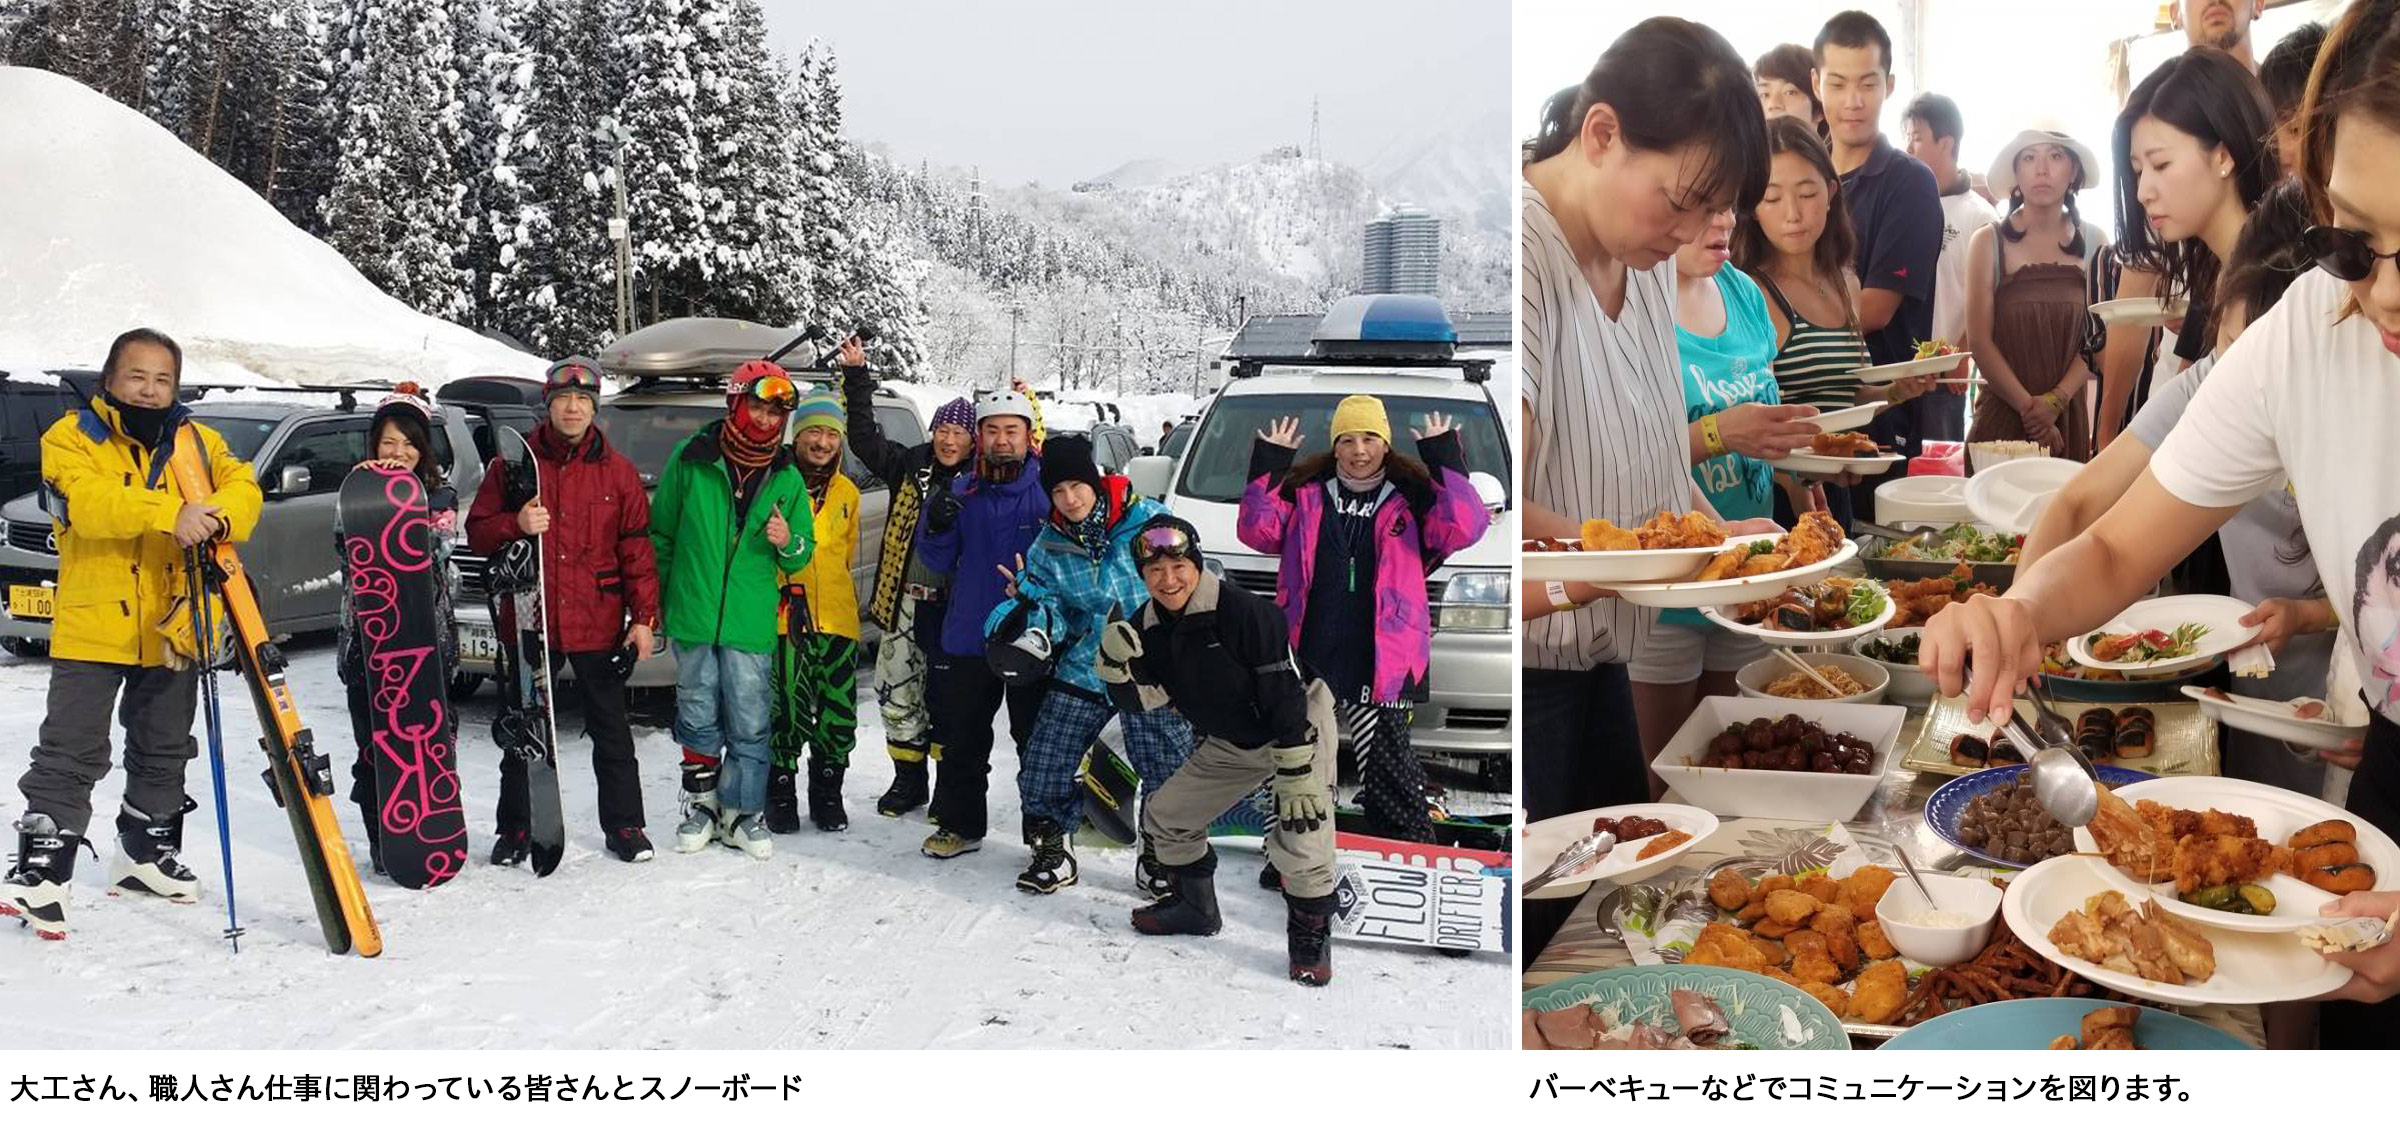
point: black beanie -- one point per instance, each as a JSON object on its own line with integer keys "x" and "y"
{"x": 1068, "y": 459}
{"x": 1164, "y": 521}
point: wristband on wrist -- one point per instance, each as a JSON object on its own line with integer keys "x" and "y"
{"x": 1711, "y": 437}
{"x": 1557, "y": 591}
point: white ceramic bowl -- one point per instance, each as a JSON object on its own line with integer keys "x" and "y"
{"x": 1753, "y": 679}
{"x": 1775, "y": 793}
{"x": 1909, "y": 686}
{"x": 1940, "y": 945}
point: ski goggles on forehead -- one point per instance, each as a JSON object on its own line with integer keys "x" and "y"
{"x": 581, "y": 378}
{"x": 778, "y": 392}
{"x": 1165, "y": 541}
{"x": 2343, "y": 252}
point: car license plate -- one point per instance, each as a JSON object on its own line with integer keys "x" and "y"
{"x": 31, "y": 602}
{"x": 477, "y": 643}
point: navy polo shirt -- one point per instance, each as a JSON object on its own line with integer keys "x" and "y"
{"x": 1896, "y": 209}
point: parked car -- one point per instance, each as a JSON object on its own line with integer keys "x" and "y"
{"x": 1473, "y": 671}
{"x": 1179, "y": 438}
{"x": 675, "y": 373}
{"x": 301, "y": 447}
{"x": 29, "y": 404}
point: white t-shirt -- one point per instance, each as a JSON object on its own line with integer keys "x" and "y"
{"x": 1963, "y": 215}
{"x": 2304, "y": 395}
{"x": 1607, "y": 403}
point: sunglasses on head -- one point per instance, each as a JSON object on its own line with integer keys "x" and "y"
{"x": 2345, "y": 253}
{"x": 1164, "y": 541}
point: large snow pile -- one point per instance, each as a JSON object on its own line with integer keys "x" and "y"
{"x": 113, "y": 223}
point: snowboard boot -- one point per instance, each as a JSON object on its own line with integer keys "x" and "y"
{"x": 631, "y": 845}
{"x": 825, "y": 797}
{"x": 36, "y": 886}
{"x": 1053, "y": 867}
{"x": 946, "y": 844}
{"x": 748, "y": 833}
{"x": 1269, "y": 878}
{"x": 1150, "y": 877}
{"x": 1308, "y": 932}
{"x": 783, "y": 801}
{"x": 147, "y": 851}
{"x": 700, "y": 811}
{"x": 909, "y": 790}
{"x": 511, "y": 846}
{"x": 1191, "y": 907}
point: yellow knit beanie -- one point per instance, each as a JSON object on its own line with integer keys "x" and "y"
{"x": 1361, "y": 413}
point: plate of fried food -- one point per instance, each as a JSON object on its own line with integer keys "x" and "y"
{"x": 1668, "y": 547}
{"x": 2062, "y": 1024}
{"x": 1837, "y": 453}
{"x": 1811, "y": 931}
{"x": 2236, "y": 855}
{"x": 1649, "y": 838}
{"x": 2070, "y": 911}
{"x": 1929, "y": 363}
{"x": 2167, "y": 633}
{"x": 1744, "y": 571}
{"x": 1844, "y": 419}
{"x": 2305, "y": 722}
{"x": 1915, "y": 602}
{"x": 1834, "y": 610}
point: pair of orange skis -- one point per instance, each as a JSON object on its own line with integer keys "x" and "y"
{"x": 301, "y": 777}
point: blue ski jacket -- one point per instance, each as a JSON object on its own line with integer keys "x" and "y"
{"x": 996, "y": 522}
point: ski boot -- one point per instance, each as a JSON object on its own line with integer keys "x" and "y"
{"x": 1151, "y": 878}
{"x": 631, "y": 845}
{"x": 909, "y": 790}
{"x": 510, "y": 847}
{"x": 1053, "y": 866}
{"x": 746, "y": 832}
{"x": 36, "y": 888}
{"x": 825, "y": 797}
{"x": 147, "y": 850}
{"x": 946, "y": 844}
{"x": 1308, "y": 932}
{"x": 700, "y": 812}
{"x": 1191, "y": 907}
{"x": 783, "y": 801}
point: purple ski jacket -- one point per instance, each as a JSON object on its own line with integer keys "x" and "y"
{"x": 1416, "y": 527}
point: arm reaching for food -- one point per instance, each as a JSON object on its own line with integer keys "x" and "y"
{"x": 2086, "y": 497}
{"x": 1989, "y": 646}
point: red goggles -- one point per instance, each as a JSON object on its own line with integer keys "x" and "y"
{"x": 1164, "y": 541}
{"x": 578, "y": 377}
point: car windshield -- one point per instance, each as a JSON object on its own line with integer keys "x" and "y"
{"x": 1217, "y": 466}
{"x": 648, "y": 433}
{"x": 1176, "y": 440}
{"x": 244, "y": 434}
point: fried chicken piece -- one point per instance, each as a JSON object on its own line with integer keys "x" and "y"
{"x": 1761, "y": 564}
{"x": 1792, "y": 907}
{"x": 2194, "y": 956}
{"x": 1815, "y": 537}
{"x": 1773, "y": 883}
{"x": 1726, "y": 948}
{"x": 1724, "y": 564}
{"x": 2110, "y": 1029}
{"x": 1842, "y": 445}
{"x": 1815, "y": 967}
{"x": 1662, "y": 532}
{"x": 1863, "y": 888}
{"x": 1880, "y": 993}
{"x": 1729, "y": 889}
{"x": 1769, "y": 928}
{"x": 1873, "y": 944}
{"x": 1840, "y": 931}
{"x": 1774, "y": 951}
{"x": 1699, "y": 531}
{"x": 1821, "y": 887}
{"x": 1835, "y": 1000}
{"x": 1753, "y": 911}
{"x": 1600, "y": 533}
{"x": 2209, "y": 861}
{"x": 2063, "y": 1044}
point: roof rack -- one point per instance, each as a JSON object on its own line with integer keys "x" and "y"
{"x": 1476, "y": 369}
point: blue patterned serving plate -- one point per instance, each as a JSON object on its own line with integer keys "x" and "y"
{"x": 1765, "y": 1013}
{"x": 1949, "y": 802}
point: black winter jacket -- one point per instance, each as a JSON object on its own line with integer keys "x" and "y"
{"x": 1225, "y": 662}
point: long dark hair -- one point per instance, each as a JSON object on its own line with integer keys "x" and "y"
{"x": 1793, "y": 64}
{"x": 2358, "y": 70}
{"x": 2284, "y": 72}
{"x": 1836, "y": 245}
{"x": 1411, "y": 478}
{"x": 2205, "y": 93}
{"x": 2016, "y": 199}
{"x": 1672, "y": 83}
{"x": 413, "y": 429}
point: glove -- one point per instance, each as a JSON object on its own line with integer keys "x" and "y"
{"x": 1301, "y": 804}
{"x": 943, "y": 514}
{"x": 1120, "y": 644}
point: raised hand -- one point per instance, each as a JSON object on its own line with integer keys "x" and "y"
{"x": 779, "y": 532}
{"x": 1435, "y": 424}
{"x": 854, "y": 353}
{"x": 1008, "y": 577}
{"x": 1284, "y": 432}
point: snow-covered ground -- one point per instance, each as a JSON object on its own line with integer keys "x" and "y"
{"x": 851, "y": 940}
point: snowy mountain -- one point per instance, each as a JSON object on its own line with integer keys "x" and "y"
{"x": 1455, "y": 173}
{"x": 1292, "y": 217}
{"x": 1140, "y": 173}
{"x": 114, "y": 223}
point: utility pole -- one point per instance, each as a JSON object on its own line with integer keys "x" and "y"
{"x": 612, "y": 134}
{"x": 1015, "y": 308}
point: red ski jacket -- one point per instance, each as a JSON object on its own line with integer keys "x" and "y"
{"x": 598, "y": 563}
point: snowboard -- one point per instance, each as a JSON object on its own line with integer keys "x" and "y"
{"x": 298, "y": 775}
{"x": 1109, "y": 788}
{"x": 1252, "y": 816}
{"x": 526, "y": 729}
{"x": 392, "y": 570}
{"x": 1440, "y": 896}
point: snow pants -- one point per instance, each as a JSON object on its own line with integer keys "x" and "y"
{"x": 1218, "y": 774}
{"x": 900, "y": 687}
{"x": 816, "y": 700}
{"x": 71, "y": 753}
{"x": 1048, "y": 782}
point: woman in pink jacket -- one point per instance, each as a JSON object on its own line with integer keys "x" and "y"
{"x": 1358, "y": 529}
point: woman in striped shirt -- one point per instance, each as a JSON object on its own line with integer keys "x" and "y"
{"x": 1798, "y": 244}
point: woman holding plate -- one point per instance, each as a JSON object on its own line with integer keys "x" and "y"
{"x": 2308, "y": 393}
{"x": 2028, "y": 327}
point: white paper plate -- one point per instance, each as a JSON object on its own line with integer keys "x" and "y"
{"x": 2222, "y": 614}
{"x": 1802, "y": 462}
{"x": 2251, "y": 968}
{"x": 1544, "y": 840}
{"x": 2276, "y": 720}
{"x": 1735, "y": 590}
{"x": 2279, "y": 813}
{"x": 1609, "y": 566}
{"x": 1722, "y": 617}
{"x": 2140, "y": 311}
{"x": 1886, "y": 374}
{"x": 1848, "y": 418}
{"x": 2009, "y": 497}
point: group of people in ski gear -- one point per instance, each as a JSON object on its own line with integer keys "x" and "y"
{"x": 1013, "y": 573}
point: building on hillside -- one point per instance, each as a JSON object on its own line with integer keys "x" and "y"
{"x": 1404, "y": 253}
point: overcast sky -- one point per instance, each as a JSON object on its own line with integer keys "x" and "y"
{"x": 1056, "y": 90}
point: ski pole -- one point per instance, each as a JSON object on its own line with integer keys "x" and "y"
{"x": 203, "y": 645}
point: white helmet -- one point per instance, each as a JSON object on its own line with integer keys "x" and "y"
{"x": 1005, "y": 402}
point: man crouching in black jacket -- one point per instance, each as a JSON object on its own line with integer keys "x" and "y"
{"x": 1223, "y": 658}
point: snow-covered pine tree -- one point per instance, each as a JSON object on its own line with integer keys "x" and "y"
{"x": 856, "y": 278}
{"x": 554, "y": 269}
{"x": 393, "y": 207}
{"x": 663, "y": 157}
{"x": 485, "y": 57}
{"x": 305, "y": 145}
{"x": 751, "y": 176}
{"x": 167, "y": 76}
{"x": 99, "y": 43}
